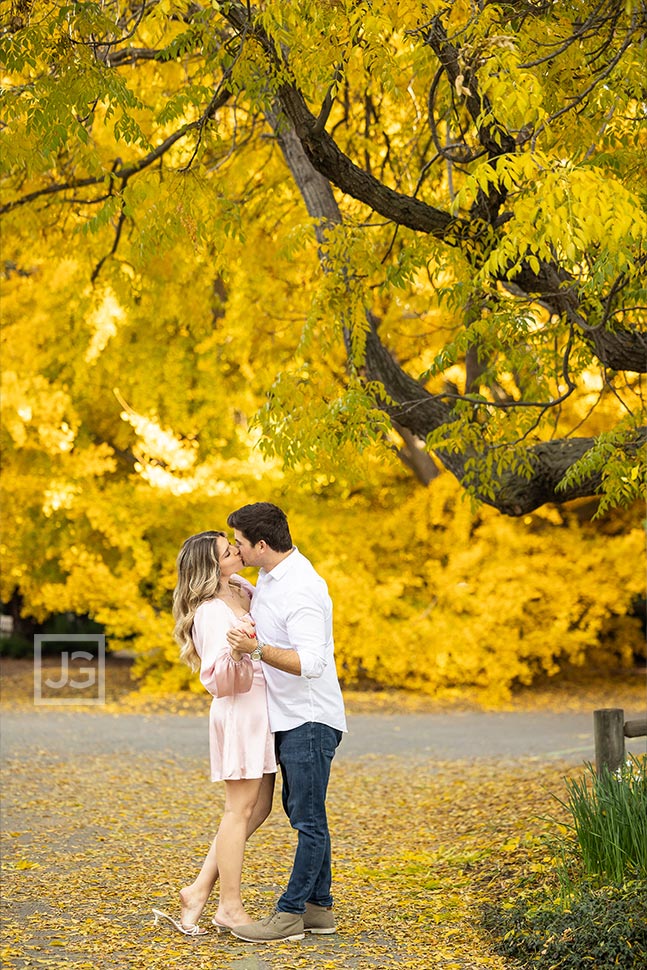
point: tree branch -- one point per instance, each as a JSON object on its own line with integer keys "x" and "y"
{"x": 131, "y": 55}
{"x": 126, "y": 172}
{"x": 326, "y": 156}
{"x": 414, "y": 412}
{"x": 113, "y": 250}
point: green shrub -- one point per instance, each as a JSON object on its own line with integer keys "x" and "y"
{"x": 16, "y": 646}
{"x": 609, "y": 822}
{"x": 597, "y": 915}
{"x": 604, "y": 929}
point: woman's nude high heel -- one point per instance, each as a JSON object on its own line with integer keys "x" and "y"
{"x": 192, "y": 930}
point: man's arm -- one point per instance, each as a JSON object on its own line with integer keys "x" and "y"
{"x": 287, "y": 660}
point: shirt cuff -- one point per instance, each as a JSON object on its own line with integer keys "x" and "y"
{"x": 312, "y": 664}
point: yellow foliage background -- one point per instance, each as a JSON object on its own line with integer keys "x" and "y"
{"x": 434, "y": 597}
{"x": 129, "y": 396}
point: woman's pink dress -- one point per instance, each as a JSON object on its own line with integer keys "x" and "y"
{"x": 240, "y": 741}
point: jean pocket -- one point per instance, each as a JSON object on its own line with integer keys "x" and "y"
{"x": 330, "y": 739}
{"x": 296, "y": 746}
{"x": 297, "y": 752}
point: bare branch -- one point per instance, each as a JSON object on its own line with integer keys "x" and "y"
{"x": 131, "y": 55}
{"x": 120, "y": 225}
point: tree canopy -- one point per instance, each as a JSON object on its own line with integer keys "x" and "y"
{"x": 454, "y": 188}
{"x": 251, "y": 246}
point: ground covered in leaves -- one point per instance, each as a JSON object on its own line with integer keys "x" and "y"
{"x": 92, "y": 844}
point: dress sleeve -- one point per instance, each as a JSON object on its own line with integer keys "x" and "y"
{"x": 219, "y": 672}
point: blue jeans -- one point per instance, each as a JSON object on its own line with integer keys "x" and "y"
{"x": 305, "y": 754}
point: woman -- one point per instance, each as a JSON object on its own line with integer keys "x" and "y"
{"x": 210, "y": 599}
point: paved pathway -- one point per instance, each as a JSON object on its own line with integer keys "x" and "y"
{"x": 473, "y": 735}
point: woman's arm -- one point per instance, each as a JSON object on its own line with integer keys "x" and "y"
{"x": 282, "y": 659}
{"x": 220, "y": 673}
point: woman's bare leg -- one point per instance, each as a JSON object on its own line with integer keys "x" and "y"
{"x": 263, "y": 806}
{"x": 194, "y": 897}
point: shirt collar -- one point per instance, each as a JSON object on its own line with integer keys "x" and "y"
{"x": 283, "y": 567}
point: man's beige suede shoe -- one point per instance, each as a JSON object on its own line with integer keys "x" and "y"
{"x": 277, "y": 928}
{"x": 318, "y": 919}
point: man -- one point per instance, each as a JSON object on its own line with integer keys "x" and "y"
{"x": 293, "y": 615}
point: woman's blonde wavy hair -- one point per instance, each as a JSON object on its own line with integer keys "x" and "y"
{"x": 198, "y": 580}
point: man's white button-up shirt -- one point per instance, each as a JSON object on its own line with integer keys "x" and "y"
{"x": 292, "y": 609}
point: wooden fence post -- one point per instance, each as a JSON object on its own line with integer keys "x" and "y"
{"x": 609, "y": 731}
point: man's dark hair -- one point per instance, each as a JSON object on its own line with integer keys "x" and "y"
{"x": 262, "y": 520}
